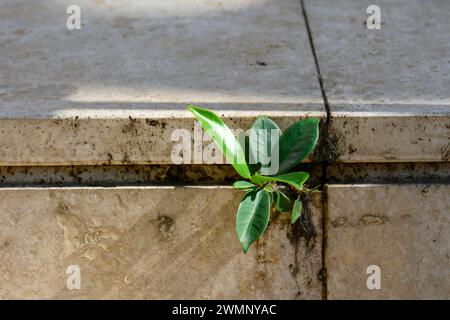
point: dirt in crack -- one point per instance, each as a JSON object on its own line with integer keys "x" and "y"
{"x": 327, "y": 147}
{"x": 301, "y": 233}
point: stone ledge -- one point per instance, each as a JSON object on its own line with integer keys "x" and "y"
{"x": 111, "y": 141}
{"x": 387, "y": 137}
{"x": 113, "y": 91}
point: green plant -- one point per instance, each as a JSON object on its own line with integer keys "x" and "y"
{"x": 281, "y": 190}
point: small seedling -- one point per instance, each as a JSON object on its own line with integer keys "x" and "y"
{"x": 281, "y": 190}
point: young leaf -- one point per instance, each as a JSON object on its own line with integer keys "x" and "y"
{"x": 244, "y": 185}
{"x": 282, "y": 201}
{"x": 296, "y": 179}
{"x": 296, "y": 211}
{"x": 252, "y": 217}
{"x": 223, "y": 137}
{"x": 297, "y": 142}
{"x": 263, "y": 146}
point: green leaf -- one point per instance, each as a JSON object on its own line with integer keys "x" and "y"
{"x": 282, "y": 201}
{"x": 296, "y": 211}
{"x": 243, "y": 185}
{"x": 223, "y": 137}
{"x": 252, "y": 217}
{"x": 296, "y": 179}
{"x": 297, "y": 142}
{"x": 263, "y": 146}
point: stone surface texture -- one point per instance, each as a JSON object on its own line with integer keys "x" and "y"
{"x": 87, "y": 176}
{"x": 403, "y": 229}
{"x": 150, "y": 243}
{"x": 113, "y": 91}
{"x": 388, "y": 88}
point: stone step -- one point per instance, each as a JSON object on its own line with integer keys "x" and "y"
{"x": 114, "y": 91}
{"x": 129, "y": 243}
{"x": 150, "y": 243}
{"x": 404, "y": 230}
{"x": 387, "y": 88}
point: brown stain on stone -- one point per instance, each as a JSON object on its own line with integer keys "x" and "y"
{"x": 165, "y": 226}
{"x": 365, "y": 220}
{"x": 327, "y": 145}
{"x": 156, "y": 123}
{"x": 304, "y": 227}
{"x": 339, "y": 222}
{"x": 302, "y": 234}
{"x": 373, "y": 219}
{"x": 130, "y": 127}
